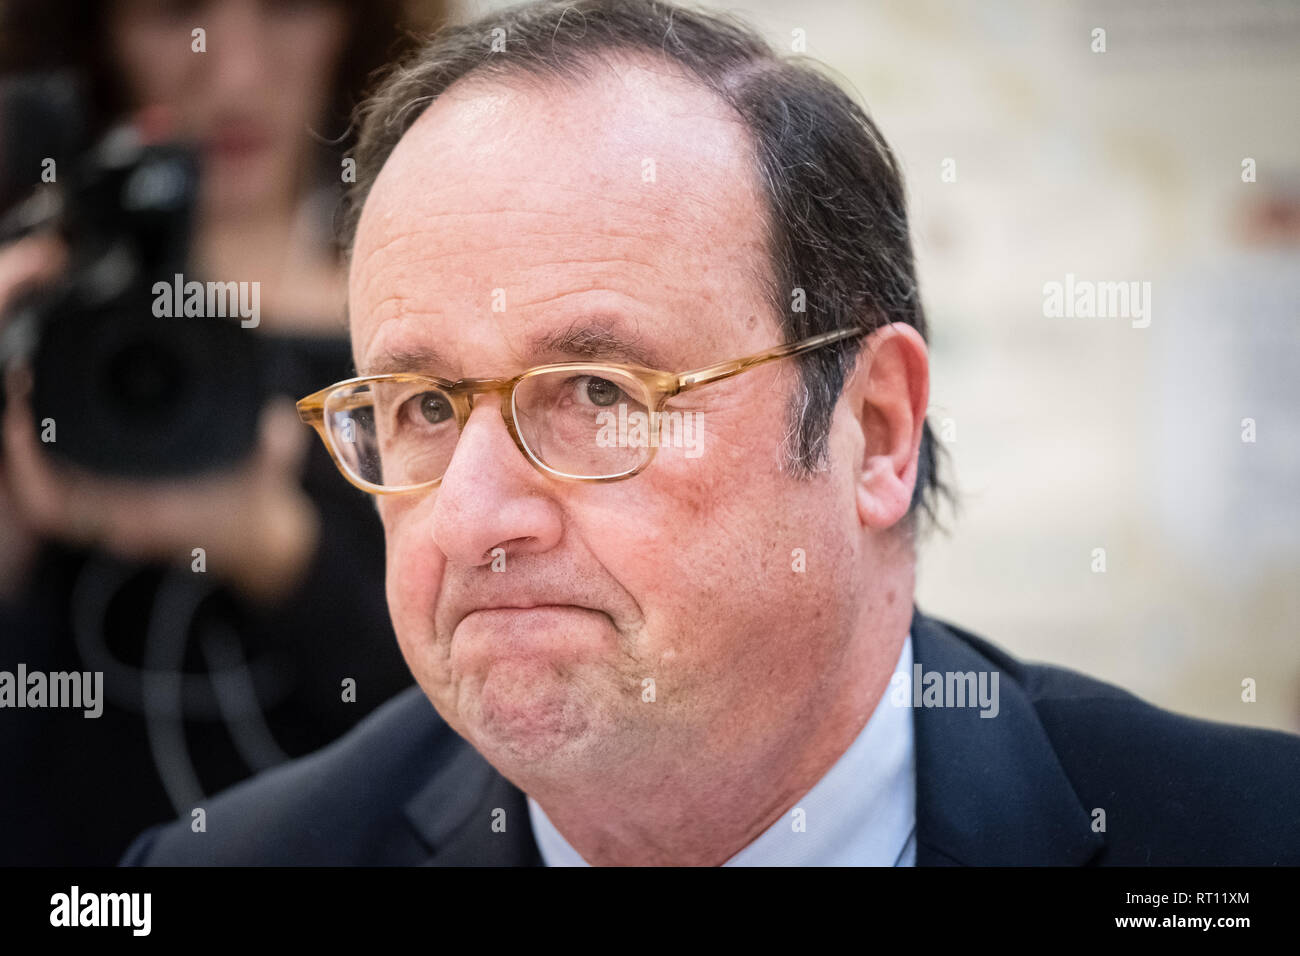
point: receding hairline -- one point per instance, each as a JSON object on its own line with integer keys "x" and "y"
{"x": 544, "y": 76}
{"x": 578, "y": 74}
{"x": 575, "y": 75}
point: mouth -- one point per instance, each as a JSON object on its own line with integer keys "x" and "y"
{"x": 510, "y": 612}
{"x": 237, "y": 142}
{"x": 521, "y": 607}
{"x": 533, "y": 626}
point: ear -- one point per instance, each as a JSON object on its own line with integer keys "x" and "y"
{"x": 888, "y": 394}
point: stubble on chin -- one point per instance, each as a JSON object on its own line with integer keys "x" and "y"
{"x": 530, "y": 715}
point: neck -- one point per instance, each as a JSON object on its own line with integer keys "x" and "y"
{"x": 701, "y": 808}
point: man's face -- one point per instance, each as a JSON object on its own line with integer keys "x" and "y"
{"x": 629, "y": 204}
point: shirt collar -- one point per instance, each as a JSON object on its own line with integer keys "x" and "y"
{"x": 862, "y": 812}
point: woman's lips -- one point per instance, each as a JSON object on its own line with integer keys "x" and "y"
{"x": 237, "y": 142}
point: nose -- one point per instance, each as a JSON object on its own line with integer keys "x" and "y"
{"x": 238, "y": 50}
{"x": 491, "y": 496}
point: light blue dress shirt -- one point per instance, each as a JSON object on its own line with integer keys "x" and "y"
{"x": 861, "y": 813}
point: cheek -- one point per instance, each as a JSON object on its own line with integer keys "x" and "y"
{"x": 733, "y": 564}
{"x": 309, "y": 58}
{"x": 703, "y": 555}
{"x": 305, "y": 63}
{"x": 157, "y": 66}
{"x": 414, "y": 570}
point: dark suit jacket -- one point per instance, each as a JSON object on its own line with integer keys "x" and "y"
{"x": 1016, "y": 789}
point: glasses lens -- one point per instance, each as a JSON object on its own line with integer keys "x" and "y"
{"x": 392, "y": 434}
{"x": 587, "y": 423}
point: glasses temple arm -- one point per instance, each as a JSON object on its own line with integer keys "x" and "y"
{"x": 715, "y": 373}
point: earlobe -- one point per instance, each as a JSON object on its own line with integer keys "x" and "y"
{"x": 889, "y": 392}
{"x": 883, "y": 496}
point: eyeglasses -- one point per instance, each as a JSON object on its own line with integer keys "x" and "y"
{"x": 395, "y": 433}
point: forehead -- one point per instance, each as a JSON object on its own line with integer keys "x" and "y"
{"x": 509, "y": 207}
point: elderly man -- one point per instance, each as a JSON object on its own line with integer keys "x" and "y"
{"x": 641, "y": 398}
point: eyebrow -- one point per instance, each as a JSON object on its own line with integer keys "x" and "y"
{"x": 421, "y": 359}
{"x": 597, "y": 337}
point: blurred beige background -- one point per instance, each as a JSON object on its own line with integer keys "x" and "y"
{"x": 1070, "y": 434}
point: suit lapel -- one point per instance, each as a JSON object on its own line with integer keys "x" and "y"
{"x": 455, "y": 812}
{"x": 990, "y": 790}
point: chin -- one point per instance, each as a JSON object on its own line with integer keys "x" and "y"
{"x": 235, "y": 188}
{"x": 527, "y": 712}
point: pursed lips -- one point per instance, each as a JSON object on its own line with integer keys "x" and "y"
{"x": 517, "y": 607}
{"x": 511, "y": 630}
{"x": 541, "y": 606}
{"x": 513, "y": 602}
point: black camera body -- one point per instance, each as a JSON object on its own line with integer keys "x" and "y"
{"x": 129, "y": 388}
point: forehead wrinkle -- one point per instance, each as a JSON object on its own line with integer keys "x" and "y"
{"x": 366, "y": 272}
{"x": 399, "y": 262}
{"x": 640, "y": 225}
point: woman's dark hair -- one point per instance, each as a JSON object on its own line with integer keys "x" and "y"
{"x": 47, "y": 35}
{"x": 837, "y": 212}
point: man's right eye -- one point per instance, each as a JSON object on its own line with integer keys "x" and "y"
{"x": 427, "y": 408}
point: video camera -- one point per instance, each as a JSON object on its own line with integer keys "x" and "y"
{"x": 129, "y": 392}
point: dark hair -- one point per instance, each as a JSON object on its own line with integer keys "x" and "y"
{"x": 837, "y": 213}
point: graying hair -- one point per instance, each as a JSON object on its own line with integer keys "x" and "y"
{"x": 836, "y": 219}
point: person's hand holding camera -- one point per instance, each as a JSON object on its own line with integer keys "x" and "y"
{"x": 256, "y": 525}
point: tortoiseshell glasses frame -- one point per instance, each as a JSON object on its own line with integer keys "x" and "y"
{"x": 655, "y": 386}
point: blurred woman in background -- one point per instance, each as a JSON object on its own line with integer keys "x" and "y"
{"x": 96, "y": 570}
